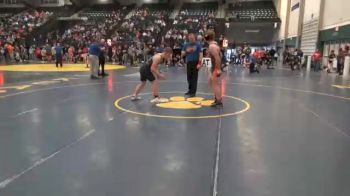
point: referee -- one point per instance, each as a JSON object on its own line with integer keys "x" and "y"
{"x": 102, "y": 59}
{"x": 193, "y": 52}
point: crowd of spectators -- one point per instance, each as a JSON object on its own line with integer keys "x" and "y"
{"x": 132, "y": 40}
{"x": 252, "y": 11}
{"x": 15, "y": 28}
{"x": 138, "y": 35}
{"x": 75, "y": 40}
{"x": 184, "y": 24}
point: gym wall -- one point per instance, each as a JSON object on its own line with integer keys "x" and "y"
{"x": 335, "y": 13}
{"x": 312, "y": 10}
{"x": 294, "y": 22}
{"x": 254, "y": 33}
{"x": 283, "y": 12}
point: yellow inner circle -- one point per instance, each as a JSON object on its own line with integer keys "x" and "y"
{"x": 179, "y": 105}
{"x": 162, "y": 100}
{"x": 179, "y": 102}
{"x": 207, "y": 102}
{"x": 52, "y": 68}
{"x": 178, "y": 98}
{"x": 183, "y": 105}
{"x": 195, "y": 99}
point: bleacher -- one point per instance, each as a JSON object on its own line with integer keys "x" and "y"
{"x": 64, "y": 11}
{"x": 105, "y": 11}
{"x": 199, "y": 9}
{"x": 96, "y": 14}
{"x": 157, "y": 9}
{"x": 8, "y": 12}
{"x": 15, "y": 28}
{"x": 195, "y": 18}
{"x": 102, "y": 21}
{"x": 147, "y": 24}
{"x": 254, "y": 11}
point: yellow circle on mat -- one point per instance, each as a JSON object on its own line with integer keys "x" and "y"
{"x": 195, "y": 99}
{"x": 207, "y": 102}
{"x": 246, "y": 108}
{"x": 164, "y": 100}
{"x": 52, "y": 68}
{"x": 178, "y": 98}
{"x": 179, "y": 105}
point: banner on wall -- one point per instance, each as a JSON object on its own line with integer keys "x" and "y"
{"x": 296, "y": 6}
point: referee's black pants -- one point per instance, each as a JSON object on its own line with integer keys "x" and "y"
{"x": 59, "y": 61}
{"x": 192, "y": 77}
{"x": 102, "y": 61}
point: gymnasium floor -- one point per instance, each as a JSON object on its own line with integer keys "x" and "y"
{"x": 279, "y": 134}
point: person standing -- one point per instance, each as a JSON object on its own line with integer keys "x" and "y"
{"x": 2, "y": 53}
{"x": 94, "y": 53}
{"x": 340, "y": 61}
{"x": 285, "y": 55}
{"x": 193, "y": 52}
{"x": 343, "y": 53}
{"x": 331, "y": 58}
{"x": 125, "y": 56}
{"x": 71, "y": 54}
{"x": 110, "y": 53}
{"x": 86, "y": 56}
{"x": 48, "y": 53}
{"x": 131, "y": 54}
{"x": 273, "y": 58}
{"x": 102, "y": 59}
{"x": 300, "y": 55}
{"x": 43, "y": 54}
{"x": 58, "y": 55}
{"x": 317, "y": 60}
{"x": 214, "y": 53}
{"x": 31, "y": 53}
{"x": 38, "y": 53}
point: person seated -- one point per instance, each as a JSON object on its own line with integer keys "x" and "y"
{"x": 251, "y": 63}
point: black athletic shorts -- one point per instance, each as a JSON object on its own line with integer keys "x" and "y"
{"x": 146, "y": 74}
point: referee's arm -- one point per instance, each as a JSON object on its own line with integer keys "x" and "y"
{"x": 200, "y": 61}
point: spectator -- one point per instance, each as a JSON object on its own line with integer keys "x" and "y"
{"x": 31, "y": 53}
{"x": 316, "y": 57}
{"x": 71, "y": 54}
{"x": 331, "y": 58}
{"x": 48, "y": 53}
{"x": 132, "y": 54}
{"x": 139, "y": 54}
{"x": 43, "y": 54}
{"x": 251, "y": 63}
{"x": 14, "y": 28}
{"x": 38, "y": 53}
{"x": 272, "y": 54}
{"x": 2, "y": 53}
{"x": 340, "y": 61}
{"x": 59, "y": 55}
{"x": 125, "y": 56}
{"x": 102, "y": 58}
